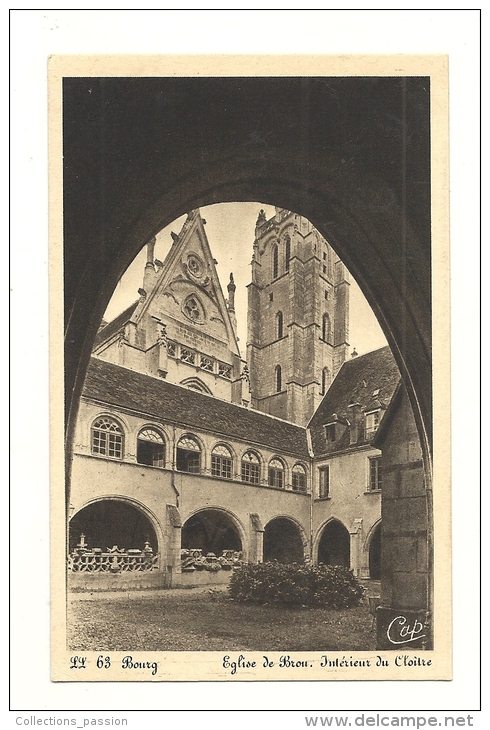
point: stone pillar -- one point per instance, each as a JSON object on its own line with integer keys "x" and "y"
{"x": 256, "y": 553}
{"x": 356, "y": 546}
{"x": 172, "y": 557}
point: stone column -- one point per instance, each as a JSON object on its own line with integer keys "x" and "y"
{"x": 172, "y": 557}
{"x": 256, "y": 553}
{"x": 355, "y": 546}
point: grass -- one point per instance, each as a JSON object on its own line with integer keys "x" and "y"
{"x": 211, "y": 621}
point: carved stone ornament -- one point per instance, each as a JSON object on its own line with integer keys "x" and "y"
{"x": 162, "y": 335}
{"x": 193, "y": 309}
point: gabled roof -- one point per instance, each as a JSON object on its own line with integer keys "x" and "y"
{"x": 105, "y": 333}
{"x": 357, "y": 381}
{"x": 168, "y": 403}
{"x": 192, "y": 238}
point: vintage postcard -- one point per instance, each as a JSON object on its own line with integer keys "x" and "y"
{"x": 250, "y": 368}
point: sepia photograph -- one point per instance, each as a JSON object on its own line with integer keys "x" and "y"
{"x": 255, "y": 482}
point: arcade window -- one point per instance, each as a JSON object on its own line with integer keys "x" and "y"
{"x": 107, "y": 438}
{"x": 299, "y": 478}
{"x": 221, "y": 462}
{"x": 188, "y": 455}
{"x": 250, "y": 468}
{"x": 150, "y": 448}
{"x": 276, "y": 473}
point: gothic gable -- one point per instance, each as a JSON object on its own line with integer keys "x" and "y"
{"x": 185, "y": 293}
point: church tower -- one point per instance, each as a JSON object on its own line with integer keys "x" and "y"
{"x": 298, "y": 310}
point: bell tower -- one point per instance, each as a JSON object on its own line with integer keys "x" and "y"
{"x": 298, "y": 310}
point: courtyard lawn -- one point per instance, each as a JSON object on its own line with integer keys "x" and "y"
{"x": 200, "y": 620}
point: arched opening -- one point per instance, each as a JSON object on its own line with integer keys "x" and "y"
{"x": 276, "y": 473}
{"x": 110, "y": 522}
{"x": 368, "y": 244}
{"x": 299, "y": 478}
{"x": 278, "y": 379}
{"x": 279, "y": 325}
{"x": 326, "y": 329}
{"x": 325, "y": 380}
{"x": 150, "y": 448}
{"x": 221, "y": 462}
{"x": 107, "y": 438}
{"x": 250, "y": 468}
{"x": 275, "y": 261}
{"x": 212, "y": 531}
{"x": 189, "y": 455}
{"x": 287, "y": 253}
{"x": 375, "y": 553}
{"x": 375, "y": 211}
{"x": 334, "y": 545}
{"x": 283, "y": 542}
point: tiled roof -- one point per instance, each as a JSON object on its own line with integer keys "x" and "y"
{"x": 356, "y": 382}
{"x": 166, "y": 402}
{"x": 116, "y": 324}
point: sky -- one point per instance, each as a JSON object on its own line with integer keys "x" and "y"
{"x": 230, "y": 231}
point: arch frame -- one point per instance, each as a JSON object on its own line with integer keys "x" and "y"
{"x": 297, "y": 523}
{"x": 141, "y": 507}
{"x": 203, "y": 388}
{"x": 237, "y": 523}
{"x": 319, "y": 532}
{"x": 366, "y": 548}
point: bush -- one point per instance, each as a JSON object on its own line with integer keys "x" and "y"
{"x": 330, "y": 586}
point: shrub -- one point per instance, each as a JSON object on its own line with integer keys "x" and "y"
{"x": 330, "y": 586}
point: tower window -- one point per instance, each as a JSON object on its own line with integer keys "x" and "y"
{"x": 287, "y": 241}
{"x": 271, "y": 297}
{"x": 275, "y": 261}
{"x": 150, "y": 449}
{"x": 221, "y": 462}
{"x": 276, "y": 473}
{"x": 188, "y": 455}
{"x": 278, "y": 379}
{"x": 299, "y": 478}
{"x": 325, "y": 380}
{"x": 375, "y": 474}
{"x": 326, "y": 328}
{"x": 324, "y": 482}
{"x": 250, "y": 468}
{"x": 279, "y": 323}
{"x": 107, "y": 438}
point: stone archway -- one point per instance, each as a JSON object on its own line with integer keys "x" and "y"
{"x": 212, "y": 531}
{"x": 374, "y": 212}
{"x": 110, "y": 522}
{"x": 375, "y": 553}
{"x": 334, "y": 545}
{"x": 283, "y": 541}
